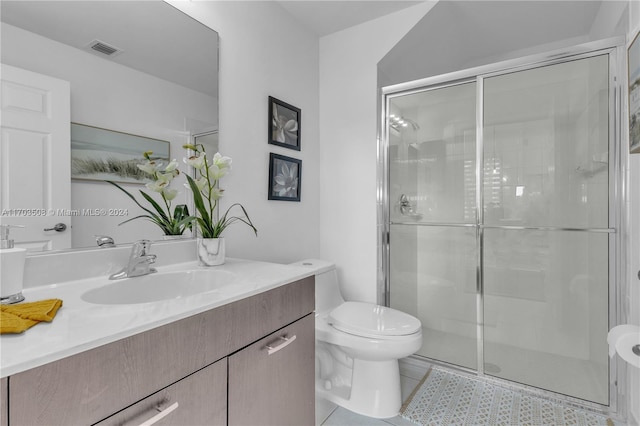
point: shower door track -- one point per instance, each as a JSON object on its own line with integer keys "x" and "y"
{"x": 617, "y": 217}
{"x": 520, "y": 228}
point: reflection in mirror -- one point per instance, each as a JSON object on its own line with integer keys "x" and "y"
{"x": 125, "y": 73}
{"x": 102, "y": 154}
{"x": 208, "y": 139}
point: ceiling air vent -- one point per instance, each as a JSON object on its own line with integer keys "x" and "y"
{"x": 104, "y": 48}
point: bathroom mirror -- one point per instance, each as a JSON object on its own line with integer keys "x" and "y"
{"x": 142, "y": 68}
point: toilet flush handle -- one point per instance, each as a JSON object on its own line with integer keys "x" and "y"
{"x": 284, "y": 342}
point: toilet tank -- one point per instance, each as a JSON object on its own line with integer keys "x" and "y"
{"x": 328, "y": 295}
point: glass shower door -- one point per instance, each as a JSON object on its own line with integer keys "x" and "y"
{"x": 506, "y": 259}
{"x": 433, "y": 232}
{"x": 546, "y": 227}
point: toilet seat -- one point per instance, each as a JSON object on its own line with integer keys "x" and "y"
{"x": 375, "y": 321}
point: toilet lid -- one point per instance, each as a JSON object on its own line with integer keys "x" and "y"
{"x": 367, "y": 319}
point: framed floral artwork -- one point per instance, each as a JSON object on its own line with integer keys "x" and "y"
{"x": 284, "y": 124}
{"x": 284, "y": 178}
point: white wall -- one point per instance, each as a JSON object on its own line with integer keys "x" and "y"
{"x": 264, "y": 52}
{"x": 348, "y": 155}
{"x": 348, "y": 145}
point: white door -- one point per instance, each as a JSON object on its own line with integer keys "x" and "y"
{"x": 35, "y": 172}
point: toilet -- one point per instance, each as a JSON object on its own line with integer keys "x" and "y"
{"x": 357, "y": 349}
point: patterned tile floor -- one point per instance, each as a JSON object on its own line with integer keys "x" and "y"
{"x": 448, "y": 397}
{"x": 410, "y": 376}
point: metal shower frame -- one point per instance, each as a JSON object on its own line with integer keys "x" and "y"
{"x": 618, "y": 220}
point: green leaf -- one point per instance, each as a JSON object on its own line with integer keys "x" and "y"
{"x": 137, "y": 217}
{"x": 169, "y": 225}
{"x": 205, "y": 217}
{"x": 180, "y": 212}
{"x": 130, "y": 196}
{"x": 156, "y": 206}
{"x": 182, "y": 217}
{"x": 209, "y": 228}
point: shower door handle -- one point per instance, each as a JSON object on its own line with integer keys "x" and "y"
{"x": 405, "y": 205}
{"x": 406, "y": 208}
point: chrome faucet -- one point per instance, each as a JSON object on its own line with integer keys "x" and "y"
{"x": 104, "y": 241}
{"x": 139, "y": 261}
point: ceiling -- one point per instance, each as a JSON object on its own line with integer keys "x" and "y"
{"x": 482, "y": 29}
{"x": 328, "y": 16}
{"x": 463, "y": 34}
{"x": 124, "y": 24}
{"x": 146, "y": 44}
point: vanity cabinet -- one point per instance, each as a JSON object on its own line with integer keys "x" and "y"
{"x": 269, "y": 380}
{"x": 187, "y": 358}
{"x": 4, "y": 401}
{"x": 198, "y": 399}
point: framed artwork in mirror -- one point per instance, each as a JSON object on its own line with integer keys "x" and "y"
{"x": 103, "y": 154}
{"x": 633, "y": 60}
{"x": 284, "y": 178}
{"x": 284, "y": 124}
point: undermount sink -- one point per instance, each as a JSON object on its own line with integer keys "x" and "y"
{"x": 160, "y": 286}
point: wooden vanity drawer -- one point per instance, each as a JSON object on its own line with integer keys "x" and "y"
{"x": 272, "y": 381}
{"x": 92, "y": 385}
{"x": 4, "y": 401}
{"x": 198, "y": 399}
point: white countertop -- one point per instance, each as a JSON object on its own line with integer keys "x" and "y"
{"x": 80, "y": 325}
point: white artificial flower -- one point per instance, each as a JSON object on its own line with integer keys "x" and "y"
{"x": 170, "y": 194}
{"x": 149, "y": 167}
{"x": 157, "y": 186}
{"x": 197, "y": 162}
{"x": 221, "y": 162}
{"x": 172, "y": 166}
{"x": 216, "y": 193}
{"x": 164, "y": 178}
{"x": 216, "y": 172}
{"x": 201, "y": 182}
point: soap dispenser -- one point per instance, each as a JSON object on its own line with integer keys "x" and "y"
{"x": 11, "y": 267}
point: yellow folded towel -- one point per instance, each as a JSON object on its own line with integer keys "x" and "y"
{"x": 22, "y": 316}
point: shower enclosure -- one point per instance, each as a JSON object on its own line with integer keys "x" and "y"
{"x": 502, "y": 193}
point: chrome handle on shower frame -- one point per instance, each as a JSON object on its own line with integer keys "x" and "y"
{"x": 405, "y": 205}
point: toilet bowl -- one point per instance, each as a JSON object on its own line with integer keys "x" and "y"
{"x": 357, "y": 349}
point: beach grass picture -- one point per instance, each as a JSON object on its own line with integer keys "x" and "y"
{"x": 102, "y": 154}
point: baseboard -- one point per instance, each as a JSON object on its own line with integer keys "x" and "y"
{"x": 413, "y": 367}
{"x": 324, "y": 409}
{"x": 634, "y": 419}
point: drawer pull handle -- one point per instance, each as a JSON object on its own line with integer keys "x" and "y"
{"x": 161, "y": 415}
{"x": 285, "y": 341}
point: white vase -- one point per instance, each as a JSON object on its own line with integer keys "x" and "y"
{"x": 211, "y": 251}
{"x": 172, "y": 237}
